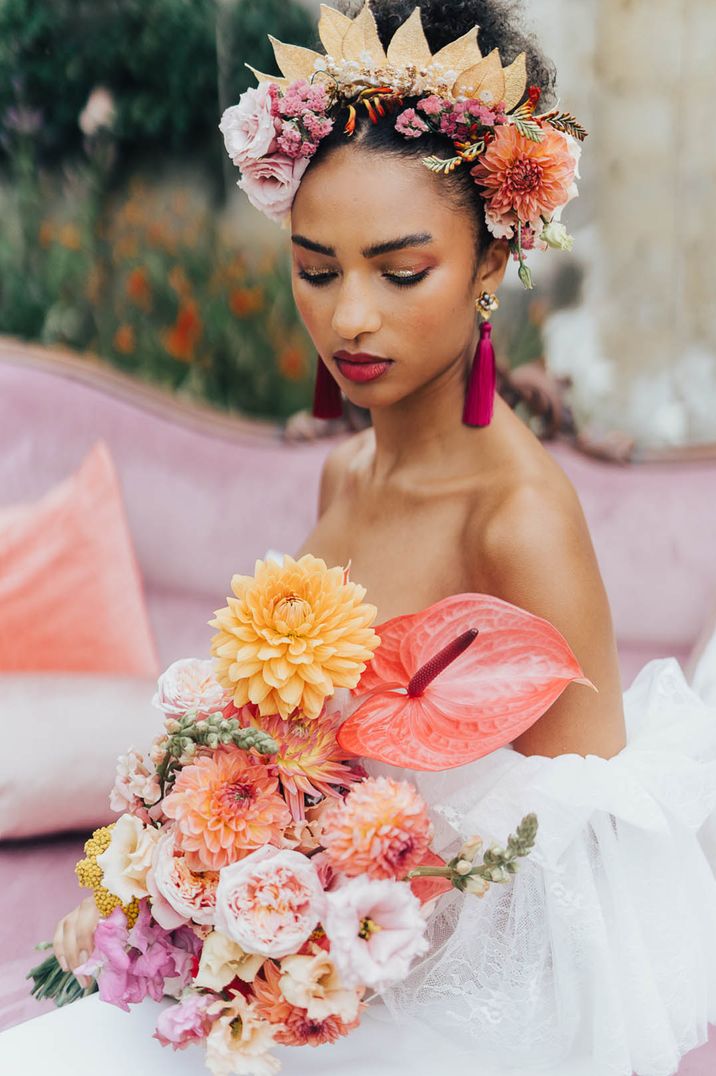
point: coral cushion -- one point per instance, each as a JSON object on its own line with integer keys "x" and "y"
{"x": 70, "y": 590}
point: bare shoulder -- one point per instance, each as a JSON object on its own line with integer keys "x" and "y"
{"x": 536, "y": 552}
{"x": 337, "y": 466}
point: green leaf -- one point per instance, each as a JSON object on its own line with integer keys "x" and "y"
{"x": 529, "y": 129}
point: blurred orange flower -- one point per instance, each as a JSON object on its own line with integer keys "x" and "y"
{"x": 69, "y": 236}
{"x": 245, "y": 301}
{"x": 124, "y": 339}
{"x": 292, "y": 363}
{"x": 181, "y": 340}
{"x": 180, "y": 281}
{"x": 46, "y": 233}
{"x": 138, "y": 288}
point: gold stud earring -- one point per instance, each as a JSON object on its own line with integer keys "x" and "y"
{"x": 486, "y": 303}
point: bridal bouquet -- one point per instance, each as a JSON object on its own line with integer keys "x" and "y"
{"x": 256, "y": 873}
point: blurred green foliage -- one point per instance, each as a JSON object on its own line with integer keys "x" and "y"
{"x": 157, "y": 57}
{"x": 103, "y": 246}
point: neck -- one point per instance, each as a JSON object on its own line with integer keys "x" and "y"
{"x": 423, "y": 434}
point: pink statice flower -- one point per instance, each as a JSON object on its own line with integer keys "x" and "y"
{"x": 381, "y": 829}
{"x": 290, "y": 141}
{"x": 187, "y": 1022}
{"x": 375, "y": 928}
{"x": 410, "y": 124}
{"x": 270, "y": 902}
{"x": 249, "y": 127}
{"x": 130, "y": 965}
{"x": 189, "y": 686}
{"x": 300, "y": 97}
{"x": 432, "y": 105}
{"x": 271, "y": 183}
{"x": 134, "y": 787}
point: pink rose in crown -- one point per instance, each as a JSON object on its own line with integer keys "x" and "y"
{"x": 271, "y": 183}
{"x": 269, "y": 902}
{"x": 249, "y": 127}
{"x": 189, "y": 686}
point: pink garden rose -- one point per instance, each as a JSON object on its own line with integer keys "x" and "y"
{"x": 189, "y": 895}
{"x": 180, "y": 1025}
{"x": 271, "y": 183}
{"x": 375, "y": 927}
{"x": 270, "y": 901}
{"x": 249, "y": 127}
{"x": 189, "y": 686}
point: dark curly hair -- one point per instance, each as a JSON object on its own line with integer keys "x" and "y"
{"x": 500, "y": 27}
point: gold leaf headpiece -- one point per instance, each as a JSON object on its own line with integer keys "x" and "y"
{"x": 355, "y": 59}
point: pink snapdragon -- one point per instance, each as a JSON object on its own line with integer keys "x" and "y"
{"x": 130, "y": 965}
{"x": 134, "y": 787}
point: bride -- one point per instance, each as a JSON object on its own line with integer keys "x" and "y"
{"x": 602, "y": 951}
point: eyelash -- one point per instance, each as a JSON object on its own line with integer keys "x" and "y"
{"x": 318, "y": 280}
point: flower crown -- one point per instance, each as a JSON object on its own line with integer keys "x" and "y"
{"x": 524, "y": 164}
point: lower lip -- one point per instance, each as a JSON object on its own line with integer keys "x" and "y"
{"x": 361, "y": 371}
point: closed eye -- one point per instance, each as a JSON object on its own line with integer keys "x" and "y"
{"x": 402, "y": 280}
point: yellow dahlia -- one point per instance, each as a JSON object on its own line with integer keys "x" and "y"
{"x": 291, "y": 635}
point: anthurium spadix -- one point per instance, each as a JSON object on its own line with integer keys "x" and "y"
{"x": 455, "y": 681}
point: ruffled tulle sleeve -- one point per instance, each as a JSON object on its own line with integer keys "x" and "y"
{"x": 604, "y": 943}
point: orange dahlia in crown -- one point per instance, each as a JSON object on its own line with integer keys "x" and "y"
{"x": 523, "y": 163}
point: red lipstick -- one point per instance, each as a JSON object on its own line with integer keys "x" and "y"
{"x": 360, "y": 366}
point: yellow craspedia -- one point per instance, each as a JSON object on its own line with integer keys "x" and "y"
{"x": 291, "y": 635}
{"x": 89, "y": 875}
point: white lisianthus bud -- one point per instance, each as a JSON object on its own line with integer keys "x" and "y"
{"x": 463, "y": 867}
{"x": 555, "y": 235}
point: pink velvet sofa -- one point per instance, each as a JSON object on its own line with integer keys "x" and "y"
{"x": 207, "y": 494}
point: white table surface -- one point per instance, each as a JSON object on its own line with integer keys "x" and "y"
{"x": 90, "y": 1038}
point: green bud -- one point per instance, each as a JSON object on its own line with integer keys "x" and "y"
{"x": 525, "y": 276}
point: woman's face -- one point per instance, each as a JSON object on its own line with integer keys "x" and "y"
{"x": 385, "y": 267}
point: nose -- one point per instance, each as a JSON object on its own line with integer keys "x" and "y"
{"x": 356, "y": 311}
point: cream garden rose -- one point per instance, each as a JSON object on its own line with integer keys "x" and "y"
{"x": 190, "y": 686}
{"x": 270, "y": 901}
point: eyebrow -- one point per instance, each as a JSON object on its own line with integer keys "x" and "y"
{"x": 418, "y": 240}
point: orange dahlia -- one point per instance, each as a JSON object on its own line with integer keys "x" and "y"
{"x": 308, "y": 760}
{"x": 291, "y": 635}
{"x": 225, "y": 805}
{"x": 297, "y": 1028}
{"x": 381, "y": 829}
{"x": 524, "y": 179}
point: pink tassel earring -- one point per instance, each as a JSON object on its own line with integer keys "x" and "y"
{"x": 327, "y": 398}
{"x": 480, "y": 396}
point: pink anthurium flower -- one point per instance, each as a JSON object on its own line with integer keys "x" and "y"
{"x": 455, "y": 681}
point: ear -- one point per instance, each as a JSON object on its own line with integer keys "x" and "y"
{"x": 493, "y": 265}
